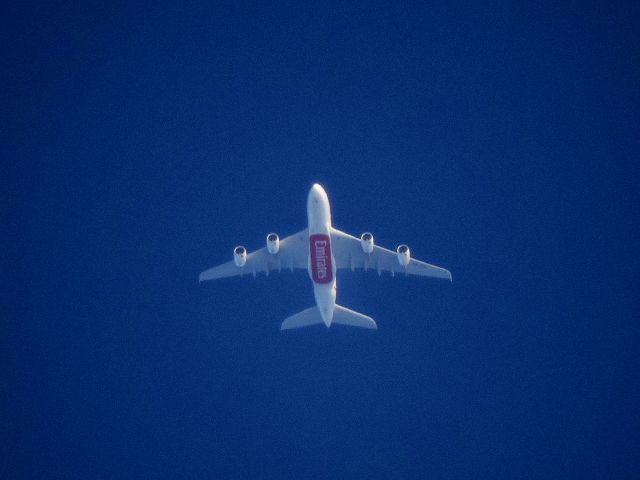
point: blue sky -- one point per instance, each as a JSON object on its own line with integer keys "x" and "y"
{"x": 141, "y": 143}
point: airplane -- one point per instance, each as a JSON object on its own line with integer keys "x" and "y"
{"x": 323, "y": 250}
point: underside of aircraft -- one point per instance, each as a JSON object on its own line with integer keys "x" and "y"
{"x": 323, "y": 250}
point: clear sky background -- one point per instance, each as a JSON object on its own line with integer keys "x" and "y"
{"x": 141, "y": 142}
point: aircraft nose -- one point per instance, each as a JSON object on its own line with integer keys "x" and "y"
{"x": 317, "y": 190}
{"x": 317, "y": 196}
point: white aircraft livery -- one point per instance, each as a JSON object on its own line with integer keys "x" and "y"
{"x": 323, "y": 250}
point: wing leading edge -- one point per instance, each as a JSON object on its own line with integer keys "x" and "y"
{"x": 293, "y": 254}
{"x": 348, "y": 253}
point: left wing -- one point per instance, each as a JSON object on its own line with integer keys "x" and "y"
{"x": 293, "y": 253}
{"x": 348, "y": 253}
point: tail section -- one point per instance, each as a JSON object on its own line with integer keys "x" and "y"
{"x": 344, "y": 316}
{"x": 341, "y": 315}
{"x": 306, "y": 318}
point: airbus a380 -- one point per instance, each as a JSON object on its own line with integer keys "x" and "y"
{"x": 323, "y": 250}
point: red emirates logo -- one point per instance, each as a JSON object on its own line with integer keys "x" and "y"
{"x": 320, "y": 249}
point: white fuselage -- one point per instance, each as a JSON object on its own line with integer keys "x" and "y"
{"x": 321, "y": 262}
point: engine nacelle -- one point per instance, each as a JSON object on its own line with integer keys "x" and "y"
{"x": 240, "y": 256}
{"x": 273, "y": 243}
{"x": 404, "y": 255}
{"x": 366, "y": 241}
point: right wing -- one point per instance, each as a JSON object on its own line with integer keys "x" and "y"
{"x": 293, "y": 253}
{"x": 348, "y": 253}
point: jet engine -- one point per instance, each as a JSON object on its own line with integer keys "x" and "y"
{"x": 366, "y": 241}
{"x": 273, "y": 243}
{"x": 240, "y": 256}
{"x": 404, "y": 255}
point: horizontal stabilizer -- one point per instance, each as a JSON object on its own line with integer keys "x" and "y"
{"x": 344, "y": 316}
{"x": 306, "y": 318}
